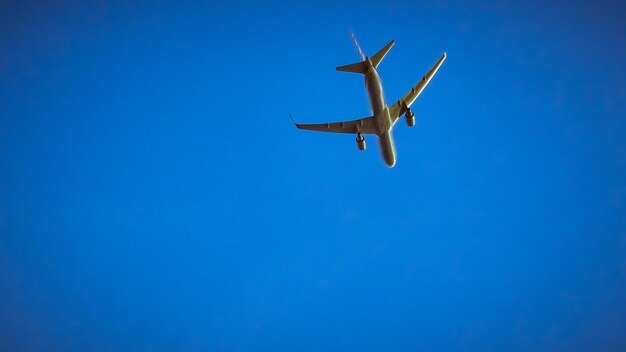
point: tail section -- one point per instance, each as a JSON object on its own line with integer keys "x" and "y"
{"x": 357, "y": 46}
{"x": 361, "y": 67}
{"x": 379, "y": 56}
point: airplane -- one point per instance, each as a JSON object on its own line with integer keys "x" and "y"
{"x": 384, "y": 117}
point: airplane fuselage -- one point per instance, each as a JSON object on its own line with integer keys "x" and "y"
{"x": 381, "y": 115}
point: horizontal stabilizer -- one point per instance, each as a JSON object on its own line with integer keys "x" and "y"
{"x": 359, "y": 67}
{"x": 379, "y": 56}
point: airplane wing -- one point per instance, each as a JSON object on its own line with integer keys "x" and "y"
{"x": 365, "y": 126}
{"x": 402, "y": 105}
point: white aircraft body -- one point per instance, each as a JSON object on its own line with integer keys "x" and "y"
{"x": 384, "y": 117}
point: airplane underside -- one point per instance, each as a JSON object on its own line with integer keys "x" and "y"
{"x": 385, "y": 117}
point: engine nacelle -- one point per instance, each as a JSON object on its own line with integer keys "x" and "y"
{"x": 360, "y": 141}
{"x": 410, "y": 118}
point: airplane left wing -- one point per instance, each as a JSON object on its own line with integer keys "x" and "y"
{"x": 364, "y": 126}
{"x": 402, "y": 105}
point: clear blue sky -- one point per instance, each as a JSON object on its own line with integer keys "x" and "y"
{"x": 154, "y": 194}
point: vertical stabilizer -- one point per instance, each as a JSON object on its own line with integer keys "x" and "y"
{"x": 357, "y": 46}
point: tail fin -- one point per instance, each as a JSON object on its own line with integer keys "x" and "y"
{"x": 357, "y": 46}
{"x": 361, "y": 67}
{"x": 379, "y": 56}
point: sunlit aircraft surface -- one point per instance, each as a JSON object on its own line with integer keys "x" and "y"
{"x": 384, "y": 117}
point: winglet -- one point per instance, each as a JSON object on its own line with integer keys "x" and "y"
{"x": 293, "y": 120}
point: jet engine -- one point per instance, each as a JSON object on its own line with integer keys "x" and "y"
{"x": 360, "y": 141}
{"x": 410, "y": 118}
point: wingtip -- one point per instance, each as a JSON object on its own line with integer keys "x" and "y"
{"x": 293, "y": 120}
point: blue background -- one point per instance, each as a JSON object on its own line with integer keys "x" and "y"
{"x": 154, "y": 194}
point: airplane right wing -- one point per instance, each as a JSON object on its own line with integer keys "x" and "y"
{"x": 364, "y": 126}
{"x": 402, "y": 105}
